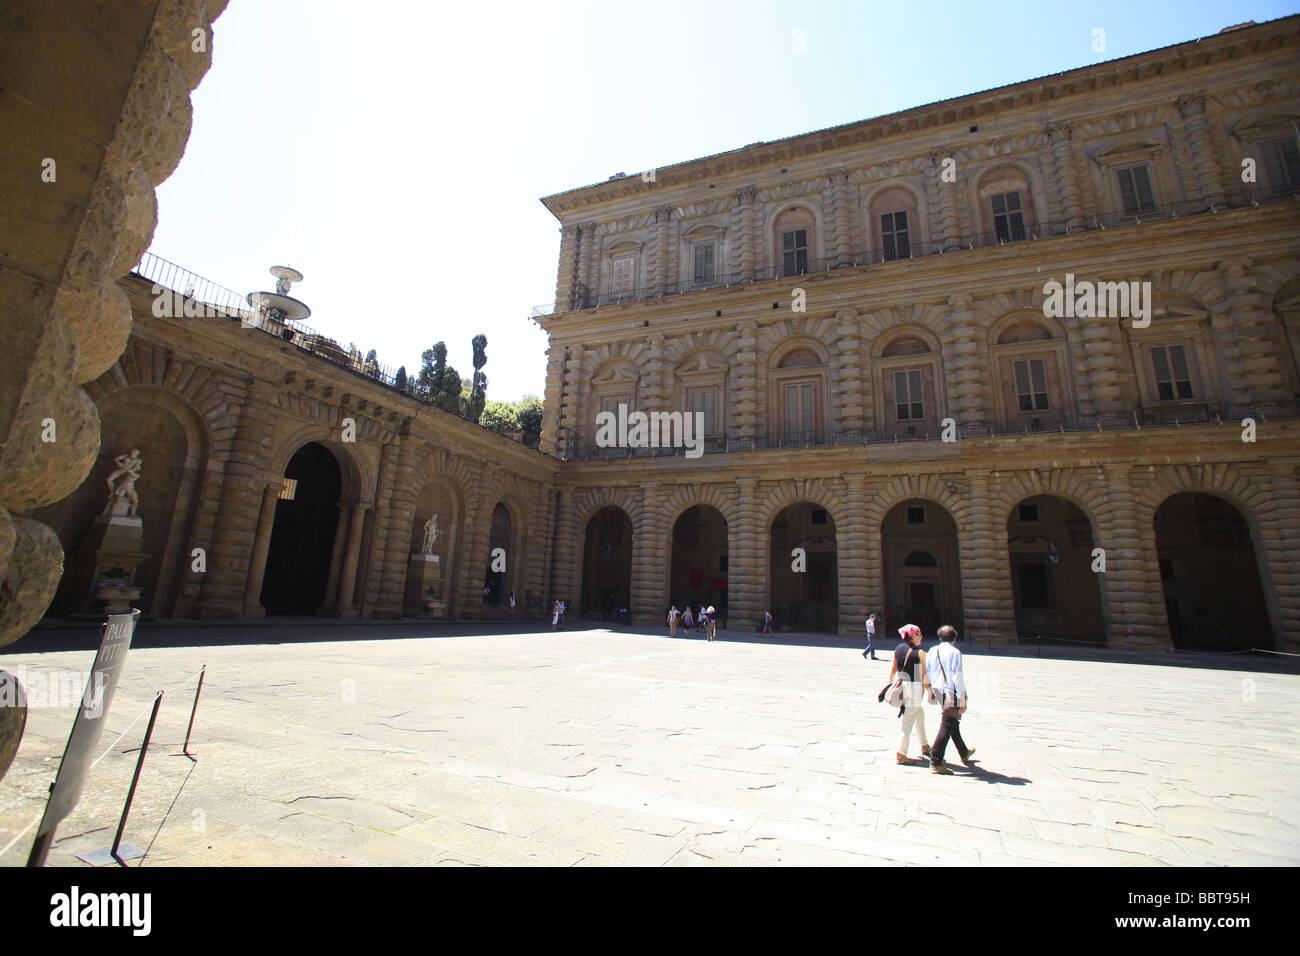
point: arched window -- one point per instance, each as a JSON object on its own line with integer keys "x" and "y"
{"x": 797, "y": 396}
{"x": 1030, "y": 386}
{"x": 895, "y": 224}
{"x": 1006, "y": 203}
{"x": 794, "y": 240}
{"x": 907, "y": 386}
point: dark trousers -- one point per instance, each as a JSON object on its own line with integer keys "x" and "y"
{"x": 949, "y": 726}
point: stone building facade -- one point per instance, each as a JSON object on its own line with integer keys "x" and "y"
{"x": 896, "y": 416}
{"x": 835, "y": 305}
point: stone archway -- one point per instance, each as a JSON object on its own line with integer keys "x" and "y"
{"x": 804, "y": 568}
{"x": 606, "y": 565}
{"x": 1213, "y": 593}
{"x": 698, "y": 560}
{"x": 1057, "y": 595}
{"x": 302, "y": 549}
{"x": 921, "y": 567}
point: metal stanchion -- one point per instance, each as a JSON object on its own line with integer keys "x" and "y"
{"x": 185, "y": 747}
{"x": 129, "y": 852}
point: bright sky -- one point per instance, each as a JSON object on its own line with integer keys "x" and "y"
{"x": 395, "y": 153}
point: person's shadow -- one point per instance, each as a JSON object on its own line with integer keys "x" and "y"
{"x": 988, "y": 776}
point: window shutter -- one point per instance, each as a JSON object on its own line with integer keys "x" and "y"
{"x": 1128, "y": 195}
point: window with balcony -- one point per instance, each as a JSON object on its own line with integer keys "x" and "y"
{"x": 703, "y": 257}
{"x": 1031, "y": 385}
{"x": 794, "y": 252}
{"x": 1281, "y": 163}
{"x": 797, "y": 396}
{"x": 704, "y": 400}
{"x": 908, "y": 398}
{"x": 1008, "y": 216}
{"x": 894, "y": 236}
{"x": 800, "y": 411}
{"x": 1135, "y": 189}
{"x": 1172, "y": 376}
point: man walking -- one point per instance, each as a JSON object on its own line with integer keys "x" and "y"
{"x": 948, "y": 687}
{"x": 870, "y": 652}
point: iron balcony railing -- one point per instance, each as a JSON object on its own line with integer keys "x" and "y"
{"x": 583, "y": 297}
{"x": 179, "y": 293}
{"x": 1157, "y": 415}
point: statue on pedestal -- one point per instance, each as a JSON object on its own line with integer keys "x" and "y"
{"x": 431, "y": 534}
{"x": 122, "y": 499}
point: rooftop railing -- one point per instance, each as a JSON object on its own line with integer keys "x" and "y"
{"x": 586, "y": 298}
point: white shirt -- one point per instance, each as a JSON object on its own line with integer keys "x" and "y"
{"x": 945, "y": 657}
{"x": 871, "y": 627}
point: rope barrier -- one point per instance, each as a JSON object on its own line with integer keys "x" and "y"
{"x": 147, "y": 707}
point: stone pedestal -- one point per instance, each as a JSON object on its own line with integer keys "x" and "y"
{"x": 102, "y": 571}
{"x": 424, "y": 594}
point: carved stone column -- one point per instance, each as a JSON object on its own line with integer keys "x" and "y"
{"x": 853, "y": 540}
{"x": 744, "y": 385}
{"x": 943, "y": 196}
{"x": 1280, "y": 536}
{"x": 567, "y": 551}
{"x": 1066, "y": 176}
{"x": 837, "y": 192}
{"x": 988, "y": 605}
{"x": 848, "y": 349}
{"x": 328, "y": 605}
{"x": 246, "y": 462}
{"x": 1204, "y": 164}
{"x": 747, "y": 201}
{"x": 656, "y": 392}
{"x": 660, "y": 267}
{"x": 566, "y": 277}
{"x": 650, "y": 553}
{"x": 261, "y": 546}
{"x": 1249, "y": 343}
{"x": 348, "y": 576}
{"x": 1135, "y": 596}
{"x": 747, "y": 559}
{"x": 968, "y": 375}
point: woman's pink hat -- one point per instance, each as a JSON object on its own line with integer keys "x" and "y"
{"x": 909, "y": 630}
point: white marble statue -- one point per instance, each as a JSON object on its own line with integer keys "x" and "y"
{"x": 122, "y": 499}
{"x": 430, "y": 534}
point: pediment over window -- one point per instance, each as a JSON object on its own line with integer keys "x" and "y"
{"x": 1024, "y": 331}
{"x": 1129, "y": 151}
{"x": 622, "y": 372}
{"x": 703, "y": 363}
{"x": 798, "y": 357}
{"x": 905, "y": 345}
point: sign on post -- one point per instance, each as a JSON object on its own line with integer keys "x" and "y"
{"x": 86, "y": 730}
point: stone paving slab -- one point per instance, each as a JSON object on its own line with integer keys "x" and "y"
{"x": 592, "y": 748}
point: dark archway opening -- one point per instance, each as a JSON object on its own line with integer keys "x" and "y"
{"x": 921, "y": 566}
{"x": 804, "y": 571}
{"x": 496, "y": 581}
{"x": 1213, "y": 594}
{"x": 302, "y": 537}
{"x": 1058, "y": 597}
{"x": 607, "y": 565}
{"x": 699, "y": 560}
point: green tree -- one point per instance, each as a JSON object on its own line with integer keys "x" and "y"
{"x": 529, "y": 411}
{"x": 433, "y": 371}
{"x": 449, "y": 399}
{"x": 400, "y": 381}
{"x": 500, "y": 417}
{"x": 478, "y": 386}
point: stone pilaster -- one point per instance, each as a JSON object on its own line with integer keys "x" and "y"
{"x": 747, "y": 561}
{"x": 987, "y": 603}
{"x": 853, "y": 541}
{"x": 967, "y": 376}
{"x": 849, "y": 350}
{"x": 1065, "y": 178}
{"x": 1201, "y": 163}
{"x": 473, "y": 566}
{"x": 567, "y": 274}
{"x": 245, "y": 462}
{"x": 744, "y": 384}
{"x": 656, "y": 392}
{"x": 650, "y": 553}
{"x": 747, "y": 201}
{"x": 589, "y": 260}
{"x": 567, "y": 550}
{"x": 385, "y": 525}
{"x": 1279, "y": 531}
{"x": 351, "y": 557}
{"x": 1107, "y": 366}
{"x": 1249, "y": 344}
{"x": 400, "y": 505}
{"x": 837, "y": 196}
{"x": 942, "y": 196}
{"x": 330, "y": 602}
{"x": 261, "y": 547}
{"x": 1135, "y": 597}
{"x": 662, "y": 268}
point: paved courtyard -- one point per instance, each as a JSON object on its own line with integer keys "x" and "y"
{"x": 409, "y": 745}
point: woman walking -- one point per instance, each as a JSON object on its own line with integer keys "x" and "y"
{"x": 673, "y": 614}
{"x": 909, "y": 661}
{"x": 687, "y": 621}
